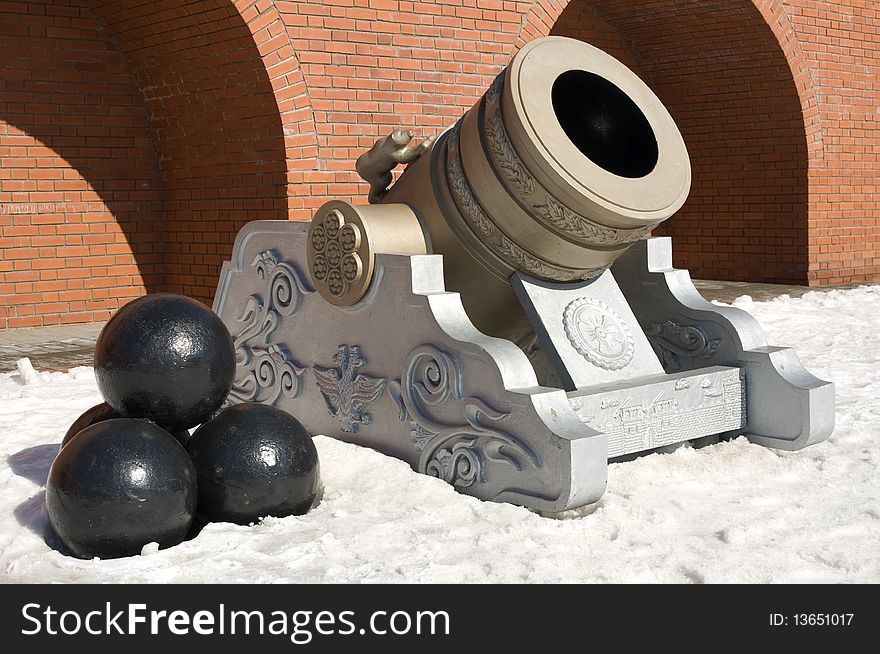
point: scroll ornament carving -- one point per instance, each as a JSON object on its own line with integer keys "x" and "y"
{"x": 674, "y": 341}
{"x": 264, "y": 371}
{"x": 460, "y": 451}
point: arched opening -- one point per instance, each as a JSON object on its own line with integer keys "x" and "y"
{"x": 217, "y": 127}
{"x": 722, "y": 73}
{"x": 136, "y": 138}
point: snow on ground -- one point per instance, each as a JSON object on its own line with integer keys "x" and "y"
{"x": 732, "y": 512}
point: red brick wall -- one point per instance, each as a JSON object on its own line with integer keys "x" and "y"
{"x": 204, "y": 114}
{"x": 372, "y": 67}
{"x": 79, "y": 213}
{"x": 217, "y": 125}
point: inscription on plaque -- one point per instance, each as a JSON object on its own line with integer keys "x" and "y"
{"x": 665, "y": 412}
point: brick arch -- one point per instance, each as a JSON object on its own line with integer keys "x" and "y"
{"x": 777, "y": 18}
{"x": 219, "y": 81}
{"x": 740, "y": 93}
{"x": 539, "y": 20}
{"x": 292, "y": 95}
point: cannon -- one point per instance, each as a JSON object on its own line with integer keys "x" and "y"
{"x": 565, "y": 162}
{"x": 498, "y": 317}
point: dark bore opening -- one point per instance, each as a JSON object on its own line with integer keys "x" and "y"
{"x": 604, "y": 124}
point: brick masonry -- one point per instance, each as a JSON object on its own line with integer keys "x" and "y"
{"x": 79, "y": 188}
{"x": 137, "y": 137}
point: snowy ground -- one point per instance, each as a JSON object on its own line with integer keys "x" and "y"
{"x": 732, "y": 512}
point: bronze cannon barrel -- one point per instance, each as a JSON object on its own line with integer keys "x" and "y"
{"x": 565, "y": 161}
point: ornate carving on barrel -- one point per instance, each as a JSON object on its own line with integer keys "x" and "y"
{"x": 494, "y": 238}
{"x": 544, "y": 207}
{"x": 568, "y": 158}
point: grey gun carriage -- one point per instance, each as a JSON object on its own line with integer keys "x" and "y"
{"x": 496, "y": 317}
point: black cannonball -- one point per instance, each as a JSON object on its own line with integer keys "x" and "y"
{"x": 253, "y": 461}
{"x": 166, "y": 358}
{"x": 118, "y": 485}
{"x": 98, "y": 413}
{"x": 102, "y": 412}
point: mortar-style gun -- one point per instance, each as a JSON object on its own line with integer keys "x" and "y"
{"x": 550, "y": 336}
